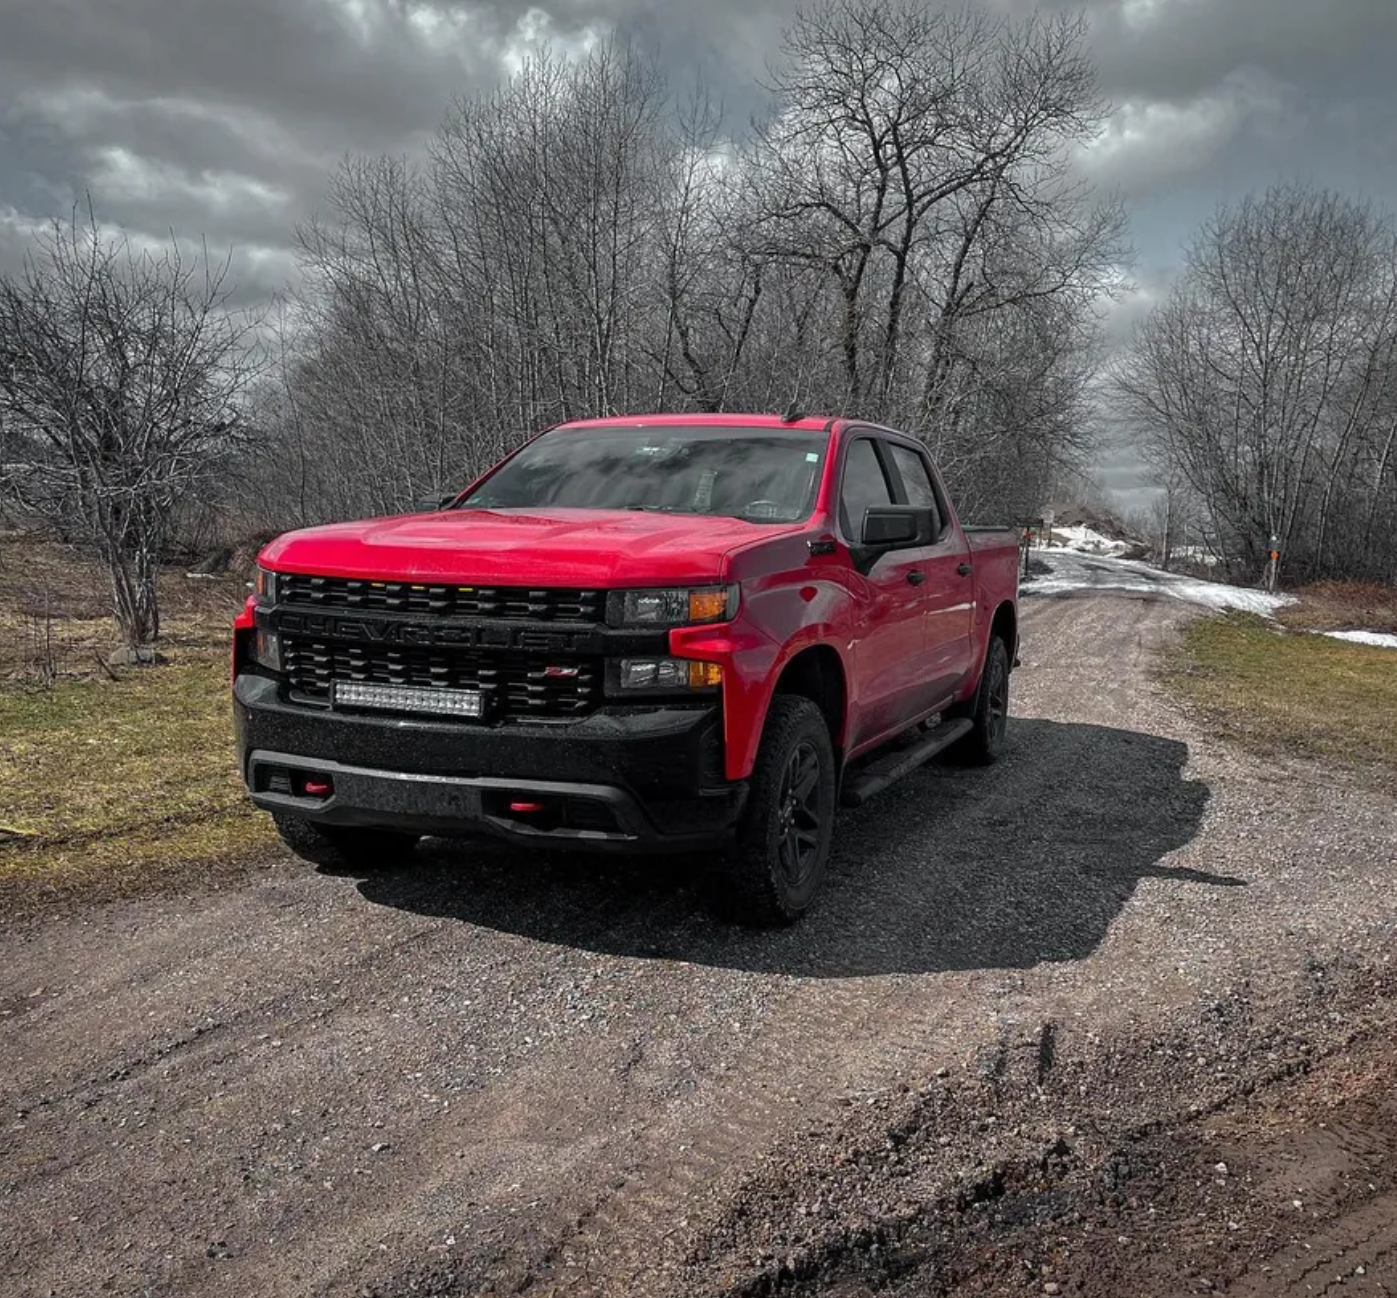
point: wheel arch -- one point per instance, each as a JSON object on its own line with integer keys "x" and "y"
{"x": 1005, "y": 626}
{"x": 817, "y": 673}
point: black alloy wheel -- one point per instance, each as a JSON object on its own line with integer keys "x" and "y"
{"x": 801, "y": 817}
{"x": 989, "y": 721}
{"x": 773, "y": 870}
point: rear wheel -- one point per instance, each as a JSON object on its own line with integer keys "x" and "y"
{"x": 338, "y": 847}
{"x": 990, "y": 719}
{"x": 772, "y": 873}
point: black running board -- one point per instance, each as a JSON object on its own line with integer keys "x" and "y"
{"x": 883, "y": 771}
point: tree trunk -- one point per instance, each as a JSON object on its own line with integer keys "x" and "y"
{"x": 134, "y": 600}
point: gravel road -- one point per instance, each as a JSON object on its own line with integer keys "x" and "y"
{"x": 490, "y": 1071}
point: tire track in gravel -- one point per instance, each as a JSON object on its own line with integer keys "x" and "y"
{"x": 1330, "y": 1174}
{"x": 1356, "y": 1255}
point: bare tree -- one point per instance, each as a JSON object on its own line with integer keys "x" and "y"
{"x": 1169, "y": 523}
{"x": 1266, "y": 380}
{"x": 920, "y": 160}
{"x": 121, "y": 377}
{"x": 551, "y": 198}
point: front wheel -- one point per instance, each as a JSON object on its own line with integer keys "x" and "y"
{"x": 990, "y": 719}
{"x": 337, "y": 847}
{"x": 773, "y": 871}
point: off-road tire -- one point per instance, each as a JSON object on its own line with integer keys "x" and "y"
{"x": 990, "y": 717}
{"x": 773, "y": 870}
{"x": 336, "y": 847}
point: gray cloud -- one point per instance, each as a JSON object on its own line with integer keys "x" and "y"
{"x": 352, "y": 71}
{"x": 224, "y": 119}
{"x": 240, "y": 109}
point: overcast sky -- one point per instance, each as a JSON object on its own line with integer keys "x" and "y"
{"x": 223, "y": 117}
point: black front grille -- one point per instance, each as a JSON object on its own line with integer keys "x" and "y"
{"x": 516, "y": 603}
{"x": 517, "y": 687}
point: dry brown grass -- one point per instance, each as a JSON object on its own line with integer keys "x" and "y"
{"x": 1306, "y": 695}
{"x": 113, "y": 782}
{"x": 110, "y": 788}
{"x": 1342, "y": 606}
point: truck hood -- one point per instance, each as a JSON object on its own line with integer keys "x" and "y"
{"x": 584, "y": 548}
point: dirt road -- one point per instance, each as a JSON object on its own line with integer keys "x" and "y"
{"x": 1030, "y": 996}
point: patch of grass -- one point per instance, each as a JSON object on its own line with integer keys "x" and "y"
{"x": 114, "y": 787}
{"x": 1342, "y": 606}
{"x": 56, "y": 615}
{"x": 1300, "y": 694}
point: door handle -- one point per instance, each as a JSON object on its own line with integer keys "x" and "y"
{"x": 964, "y": 569}
{"x": 916, "y": 576}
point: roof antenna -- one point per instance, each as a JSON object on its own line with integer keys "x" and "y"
{"x": 794, "y": 414}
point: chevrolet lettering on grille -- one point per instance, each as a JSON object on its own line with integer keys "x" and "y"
{"x": 374, "y": 631}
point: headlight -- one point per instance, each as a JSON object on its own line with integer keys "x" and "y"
{"x": 668, "y": 675}
{"x": 678, "y": 606}
{"x": 266, "y": 587}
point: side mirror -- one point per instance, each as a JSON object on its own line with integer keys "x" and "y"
{"x": 885, "y": 527}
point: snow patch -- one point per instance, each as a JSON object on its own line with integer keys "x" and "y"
{"x": 1075, "y": 571}
{"x": 1085, "y": 540}
{"x": 1197, "y": 553}
{"x": 1377, "y": 639}
{"x": 1213, "y": 594}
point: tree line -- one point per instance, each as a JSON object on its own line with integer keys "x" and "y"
{"x": 903, "y": 236}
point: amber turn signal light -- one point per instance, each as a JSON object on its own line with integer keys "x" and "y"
{"x": 708, "y": 605}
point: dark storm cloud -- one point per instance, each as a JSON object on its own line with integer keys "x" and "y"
{"x": 220, "y": 118}
{"x": 270, "y": 92}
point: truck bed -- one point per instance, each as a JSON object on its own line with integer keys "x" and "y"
{"x": 989, "y": 537}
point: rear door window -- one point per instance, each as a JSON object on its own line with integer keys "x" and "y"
{"x": 916, "y": 481}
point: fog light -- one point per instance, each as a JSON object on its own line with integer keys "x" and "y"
{"x": 669, "y": 674}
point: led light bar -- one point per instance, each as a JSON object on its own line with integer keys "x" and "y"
{"x": 410, "y": 698}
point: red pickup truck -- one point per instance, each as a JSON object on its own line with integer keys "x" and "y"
{"x": 659, "y": 633}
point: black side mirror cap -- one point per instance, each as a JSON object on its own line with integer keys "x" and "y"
{"x": 886, "y": 527}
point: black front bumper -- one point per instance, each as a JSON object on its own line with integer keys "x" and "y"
{"x": 623, "y": 779}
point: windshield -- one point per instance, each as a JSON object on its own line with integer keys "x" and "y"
{"x": 765, "y": 475}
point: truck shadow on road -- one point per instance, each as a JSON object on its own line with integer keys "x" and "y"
{"x": 1027, "y": 861}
